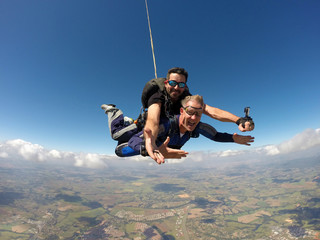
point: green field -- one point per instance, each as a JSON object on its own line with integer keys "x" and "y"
{"x": 238, "y": 202}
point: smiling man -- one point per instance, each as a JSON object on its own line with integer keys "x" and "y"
{"x": 173, "y": 132}
{"x": 187, "y": 125}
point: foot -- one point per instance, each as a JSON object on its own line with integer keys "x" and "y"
{"x": 127, "y": 121}
{"x": 107, "y": 107}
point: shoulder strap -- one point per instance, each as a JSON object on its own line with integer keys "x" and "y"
{"x": 195, "y": 133}
{"x": 174, "y": 125}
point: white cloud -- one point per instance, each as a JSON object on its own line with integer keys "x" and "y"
{"x": 54, "y": 154}
{"x": 3, "y": 155}
{"x": 90, "y": 160}
{"x": 21, "y": 150}
{"x": 229, "y": 153}
{"x": 272, "y": 150}
{"x": 305, "y": 140}
{"x": 174, "y": 161}
{"x": 26, "y": 150}
{"x": 138, "y": 158}
{"x": 303, "y": 144}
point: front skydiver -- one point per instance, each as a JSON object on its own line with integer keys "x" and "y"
{"x": 180, "y": 129}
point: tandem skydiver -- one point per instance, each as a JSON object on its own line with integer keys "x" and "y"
{"x": 166, "y": 101}
{"x": 173, "y": 132}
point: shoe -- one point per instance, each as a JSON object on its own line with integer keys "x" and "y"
{"x": 127, "y": 121}
{"x": 107, "y": 107}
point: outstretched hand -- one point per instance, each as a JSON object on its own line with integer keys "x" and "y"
{"x": 170, "y": 152}
{"x": 245, "y": 140}
{"x": 151, "y": 147}
{"x": 160, "y": 153}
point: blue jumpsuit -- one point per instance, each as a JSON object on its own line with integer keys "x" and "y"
{"x": 170, "y": 128}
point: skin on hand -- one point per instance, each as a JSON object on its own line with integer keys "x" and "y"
{"x": 247, "y": 127}
{"x": 244, "y": 140}
{"x": 170, "y": 152}
{"x": 159, "y": 154}
{"x": 151, "y": 148}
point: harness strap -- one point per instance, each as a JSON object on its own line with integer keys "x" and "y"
{"x": 174, "y": 126}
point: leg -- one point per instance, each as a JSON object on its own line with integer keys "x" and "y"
{"x": 118, "y": 130}
{"x": 123, "y": 150}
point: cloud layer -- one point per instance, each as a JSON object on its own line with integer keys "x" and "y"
{"x": 305, "y": 144}
{"x": 15, "y": 150}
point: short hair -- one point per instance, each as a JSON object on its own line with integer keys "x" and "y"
{"x": 178, "y": 70}
{"x": 196, "y": 98}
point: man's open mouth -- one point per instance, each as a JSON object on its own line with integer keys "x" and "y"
{"x": 190, "y": 124}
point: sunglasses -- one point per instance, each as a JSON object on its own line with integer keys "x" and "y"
{"x": 193, "y": 111}
{"x": 173, "y": 83}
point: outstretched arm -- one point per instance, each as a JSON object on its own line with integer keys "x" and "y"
{"x": 225, "y": 116}
{"x": 211, "y": 133}
{"x": 151, "y": 130}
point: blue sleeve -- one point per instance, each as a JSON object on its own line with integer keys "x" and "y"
{"x": 210, "y": 132}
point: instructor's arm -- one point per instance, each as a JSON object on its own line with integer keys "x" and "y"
{"x": 152, "y": 124}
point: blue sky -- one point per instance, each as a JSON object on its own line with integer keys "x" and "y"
{"x": 60, "y": 60}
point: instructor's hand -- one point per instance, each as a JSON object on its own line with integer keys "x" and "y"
{"x": 152, "y": 148}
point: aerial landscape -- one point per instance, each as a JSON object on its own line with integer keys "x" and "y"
{"x": 60, "y": 176}
{"x": 240, "y": 201}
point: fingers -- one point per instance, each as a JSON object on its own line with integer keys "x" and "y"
{"x": 176, "y": 153}
{"x": 166, "y": 142}
{"x": 245, "y": 140}
{"x": 159, "y": 157}
{"x": 156, "y": 155}
{"x": 247, "y": 126}
{"x": 151, "y": 153}
{"x": 182, "y": 153}
{"x": 248, "y": 141}
{"x": 241, "y": 128}
{"x": 151, "y": 150}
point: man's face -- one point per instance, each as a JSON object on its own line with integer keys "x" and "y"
{"x": 175, "y": 92}
{"x": 190, "y": 116}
